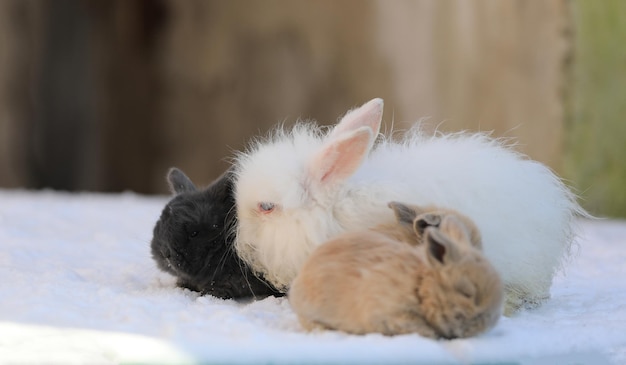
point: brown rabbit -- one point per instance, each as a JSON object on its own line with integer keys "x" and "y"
{"x": 439, "y": 285}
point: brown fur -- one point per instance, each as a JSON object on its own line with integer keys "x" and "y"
{"x": 371, "y": 281}
{"x": 406, "y": 228}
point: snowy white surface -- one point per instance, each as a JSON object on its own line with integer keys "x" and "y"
{"x": 78, "y": 285}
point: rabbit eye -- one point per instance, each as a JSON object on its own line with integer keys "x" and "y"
{"x": 193, "y": 234}
{"x": 266, "y": 207}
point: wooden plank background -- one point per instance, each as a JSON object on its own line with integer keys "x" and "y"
{"x": 105, "y": 95}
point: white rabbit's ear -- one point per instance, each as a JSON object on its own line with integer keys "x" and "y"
{"x": 369, "y": 115}
{"x": 340, "y": 157}
{"x": 179, "y": 182}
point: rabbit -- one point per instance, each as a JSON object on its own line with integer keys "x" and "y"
{"x": 301, "y": 187}
{"x": 192, "y": 241}
{"x": 439, "y": 285}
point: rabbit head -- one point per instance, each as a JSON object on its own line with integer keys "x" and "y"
{"x": 287, "y": 190}
{"x": 463, "y": 295}
{"x": 192, "y": 240}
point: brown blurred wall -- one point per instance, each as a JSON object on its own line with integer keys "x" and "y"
{"x": 15, "y": 33}
{"x": 231, "y": 70}
{"x": 107, "y": 94}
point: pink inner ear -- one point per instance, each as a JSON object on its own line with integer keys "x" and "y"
{"x": 340, "y": 158}
{"x": 368, "y": 115}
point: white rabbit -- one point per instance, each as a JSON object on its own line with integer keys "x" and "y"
{"x": 438, "y": 285}
{"x": 302, "y": 187}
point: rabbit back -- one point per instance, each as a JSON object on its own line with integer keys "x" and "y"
{"x": 523, "y": 211}
{"x": 361, "y": 282}
{"x": 364, "y": 282}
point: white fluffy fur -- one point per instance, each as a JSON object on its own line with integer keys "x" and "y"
{"x": 524, "y": 212}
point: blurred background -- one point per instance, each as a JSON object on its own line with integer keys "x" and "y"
{"x": 105, "y": 95}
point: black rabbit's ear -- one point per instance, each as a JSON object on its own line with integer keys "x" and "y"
{"x": 224, "y": 183}
{"x": 179, "y": 182}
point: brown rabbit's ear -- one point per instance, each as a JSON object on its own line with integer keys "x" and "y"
{"x": 454, "y": 228}
{"x": 405, "y": 214}
{"x": 424, "y": 221}
{"x": 441, "y": 249}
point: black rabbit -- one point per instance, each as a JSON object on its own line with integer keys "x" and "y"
{"x": 193, "y": 240}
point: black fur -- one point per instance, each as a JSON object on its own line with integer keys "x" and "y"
{"x": 192, "y": 240}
